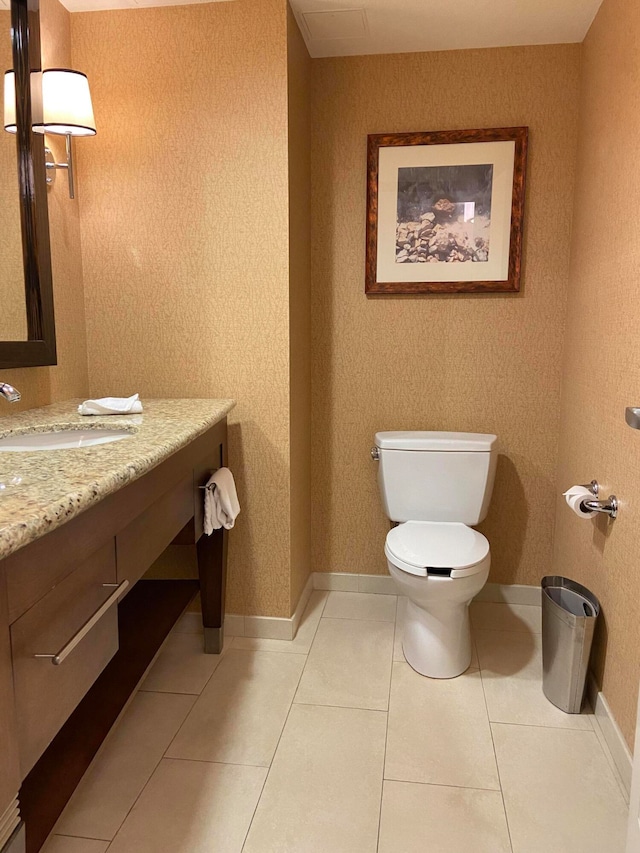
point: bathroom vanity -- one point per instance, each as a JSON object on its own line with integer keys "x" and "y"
{"x": 78, "y": 528}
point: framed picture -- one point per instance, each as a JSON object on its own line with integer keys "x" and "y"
{"x": 445, "y": 211}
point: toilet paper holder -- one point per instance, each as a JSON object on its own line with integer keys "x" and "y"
{"x": 593, "y": 487}
{"x": 610, "y": 506}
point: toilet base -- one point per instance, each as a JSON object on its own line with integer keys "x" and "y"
{"x": 437, "y": 643}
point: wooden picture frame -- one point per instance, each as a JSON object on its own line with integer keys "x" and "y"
{"x": 445, "y": 211}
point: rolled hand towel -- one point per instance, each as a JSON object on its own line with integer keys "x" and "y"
{"x": 221, "y": 505}
{"x": 112, "y": 406}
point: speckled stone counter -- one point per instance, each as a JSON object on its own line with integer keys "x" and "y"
{"x": 42, "y": 490}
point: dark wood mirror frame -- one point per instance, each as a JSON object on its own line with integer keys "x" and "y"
{"x": 40, "y": 348}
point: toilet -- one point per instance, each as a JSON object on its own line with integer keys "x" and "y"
{"x": 436, "y": 485}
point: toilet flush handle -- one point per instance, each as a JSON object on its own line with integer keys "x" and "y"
{"x": 375, "y": 454}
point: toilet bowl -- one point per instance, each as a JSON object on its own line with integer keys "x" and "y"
{"x": 440, "y": 567}
{"x": 436, "y": 485}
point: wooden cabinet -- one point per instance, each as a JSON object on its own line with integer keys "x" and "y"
{"x": 56, "y": 585}
{"x": 9, "y": 768}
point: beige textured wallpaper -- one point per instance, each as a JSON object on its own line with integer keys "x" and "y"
{"x": 184, "y": 201}
{"x": 472, "y": 363}
{"x": 299, "y": 115}
{"x": 602, "y": 351}
{"x": 69, "y": 378}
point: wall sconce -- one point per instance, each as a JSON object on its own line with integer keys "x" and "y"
{"x": 66, "y": 111}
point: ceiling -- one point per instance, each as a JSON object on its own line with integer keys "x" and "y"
{"x": 335, "y": 28}
{"x": 101, "y": 5}
{"x": 341, "y": 28}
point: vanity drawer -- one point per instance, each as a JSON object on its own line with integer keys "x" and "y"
{"x": 74, "y": 623}
{"x": 142, "y": 542}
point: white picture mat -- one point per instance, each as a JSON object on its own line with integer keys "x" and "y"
{"x": 500, "y": 154}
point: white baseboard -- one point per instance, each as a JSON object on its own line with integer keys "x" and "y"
{"x": 301, "y": 606}
{"x": 608, "y": 730}
{"x": 283, "y": 628}
{"x": 384, "y": 584}
{"x": 268, "y": 627}
{"x": 510, "y": 594}
{"x": 348, "y": 582}
{"x": 9, "y": 822}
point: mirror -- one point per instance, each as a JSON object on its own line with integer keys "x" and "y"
{"x": 13, "y": 318}
{"x": 27, "y": 329}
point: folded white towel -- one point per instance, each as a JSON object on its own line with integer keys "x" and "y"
{"x": 221, "y": 505}
{"x": 112, "y": 406}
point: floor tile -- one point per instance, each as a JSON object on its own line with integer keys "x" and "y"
{"x": 511, "y": 666}
{"x": 420, "y": 818}
{"x": 361, "y": 605}
{"x": 124, "y": 765}
{"x": 301, "y": 643}
{"x": 323, "y": 790}
{"x": 491, "y": 616}
{"x": 349, "y": 665}
{"x": 192, "y": 807}
{"x": 66, "y": 844}
{"x": 239, "y": 717}
{"x": 439, "y": 731}
{"x": 559, "y": 791}
{"x": 398, "y": 654}
{"x": 189, "y": 623}
{"x": 182, "y": 666}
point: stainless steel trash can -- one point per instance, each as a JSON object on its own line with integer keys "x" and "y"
{"x": 569, "y": 613}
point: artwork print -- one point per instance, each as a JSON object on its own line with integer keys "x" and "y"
{"x": 444, "y": 214}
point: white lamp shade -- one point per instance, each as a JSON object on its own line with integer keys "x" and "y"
{"x": 66, "y": 103}
{"x": 67, "y": 107}
{"x": 10, "y": 102}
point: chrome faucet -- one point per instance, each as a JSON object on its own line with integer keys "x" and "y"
{"x": 9, "y": 392}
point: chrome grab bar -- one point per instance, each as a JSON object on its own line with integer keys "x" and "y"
{"x": 79, "y": 636}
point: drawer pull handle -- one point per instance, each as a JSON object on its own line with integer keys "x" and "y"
{"x": 78, "y": 637}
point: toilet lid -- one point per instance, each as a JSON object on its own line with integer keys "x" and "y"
{"x": 417, "y": 546}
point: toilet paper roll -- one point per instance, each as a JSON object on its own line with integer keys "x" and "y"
{"x": 574, "y": 497}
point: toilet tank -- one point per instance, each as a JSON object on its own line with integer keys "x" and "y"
{"x": 436, "y": 476}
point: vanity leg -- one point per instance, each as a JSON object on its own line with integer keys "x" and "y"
{"x": 212, "y": 568}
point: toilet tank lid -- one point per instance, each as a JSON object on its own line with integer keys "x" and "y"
{"x": 472, "y": 442}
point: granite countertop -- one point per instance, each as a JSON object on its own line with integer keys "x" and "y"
{"x": 42, "y": 490}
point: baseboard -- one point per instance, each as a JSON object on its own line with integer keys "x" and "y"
{"x": 350, "y": 582}
{"x": 384, "y": 585}
{"x": 301, "y": 606}
{"x": 510, "y": 594}
{"x": 282, "y": 628}
{"x": 269, "y": 627}
{"x": 608, "y": 730}
{"x": 9, "y": 827}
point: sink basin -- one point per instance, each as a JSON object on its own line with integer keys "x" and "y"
{"x": 66, "y": 439}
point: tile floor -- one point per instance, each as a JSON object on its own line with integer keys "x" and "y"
{"x": 331, "y": 743}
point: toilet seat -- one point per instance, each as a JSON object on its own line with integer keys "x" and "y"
{"x": 417, "y": 546}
